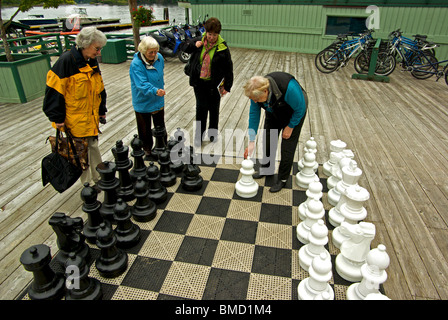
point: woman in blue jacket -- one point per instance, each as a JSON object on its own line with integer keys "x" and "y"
{"x": 147, "y": 86}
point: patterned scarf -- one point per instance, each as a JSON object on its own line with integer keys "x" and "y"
{"x": 205, "y": 69}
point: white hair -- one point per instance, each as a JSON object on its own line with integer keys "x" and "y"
{"x": 89, "y": 35}
{"x": 148, "y": 43}
{"x": 256, "y": 86}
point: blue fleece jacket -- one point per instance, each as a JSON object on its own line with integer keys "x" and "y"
{"x": 144, "y": 84}
{"x": 293, "y": 96}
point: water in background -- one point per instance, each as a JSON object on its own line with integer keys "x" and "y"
{"x": 103, "y": 11}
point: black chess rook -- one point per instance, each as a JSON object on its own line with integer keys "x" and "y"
{"x": 46, "y": 284}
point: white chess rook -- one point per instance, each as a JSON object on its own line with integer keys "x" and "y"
{"x": 314, "y": 190}
{"x": 352, "y": 211}
{"x": 246, "y": 187}
{"x": 336, "y": 146}
{"x": 373, "y": 275}
{"x": 307, "y": 175}
{"x": 354, "y": 250}
{"x": 314, "y": 211}
{"x": 317, "y": 284}
{"x": 318, "y": 238}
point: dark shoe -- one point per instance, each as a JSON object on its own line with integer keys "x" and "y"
{"x": 279, "y": 185}
{"x": 259, "y": 175}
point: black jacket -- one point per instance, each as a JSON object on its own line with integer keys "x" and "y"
{"x": 221, "y": 65}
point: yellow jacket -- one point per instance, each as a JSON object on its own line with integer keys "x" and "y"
{"x": 75, "y": 94}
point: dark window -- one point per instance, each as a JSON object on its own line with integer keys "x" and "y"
{"x": 340, "y": 25}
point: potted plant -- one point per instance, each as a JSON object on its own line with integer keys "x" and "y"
{"x": 24, "y": 73}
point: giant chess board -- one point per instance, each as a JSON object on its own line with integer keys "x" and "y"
{"x": 212, "y": 244}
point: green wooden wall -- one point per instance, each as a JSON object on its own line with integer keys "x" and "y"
{"x": 301, "y": 28}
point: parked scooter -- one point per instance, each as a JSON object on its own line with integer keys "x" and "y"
{"x": 170, "y": 43}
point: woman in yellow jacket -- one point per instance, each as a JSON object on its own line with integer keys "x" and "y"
{"x": 75, "y": 96}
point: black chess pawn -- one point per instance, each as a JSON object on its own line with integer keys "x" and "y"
{"x": 69, "y": 236}
{"x": 191, "y": 178}
{"x": 139, "y": 169}
{"x": 47, "y": 284}
{"x": 156, "y": 191}
{"x": 176, "y": 156}
{"x": 112, "y": 261}
{"x": 159, "y": 133}
{"x": 127, "y": 233}
{"x": 79, "y": 285}
{"x": 123, "y": 163}
{"x": 91, "y": 206}
{"x": 144, "y": 209}
{"x": 109, "y": 184}
{"x": 167, "y": 175}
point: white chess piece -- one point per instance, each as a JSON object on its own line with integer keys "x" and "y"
{"x": 314, "y": 190}
{"x": 316, "y": 284}
{"x": 373, "y": 275}
{"x": 310, "y": 146}
{"x": 314, "y": 211}
{"x": 352, "y": 211}
{"x": 307, "y": 175}
{"x": 246, "y": 187}
{"x": 354, "y": 250}
{"x": 350, "y": 174}
{"x": 318, "y": 238}
{"x": 336, "y": 170}
{"x": 336, "y": 146}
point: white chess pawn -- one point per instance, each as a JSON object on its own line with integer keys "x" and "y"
{"x": 352, "y": 211}
{"x": 354, "y": 250}
{"x": 314, "y": 190}
{"x": 373, "y": 275}
{"x": 350, "y": 174}
{"x": 318, "y": 238}
{"x": 314, "y": 211}
{"x": 307, "y": 175}
{"x": 310, "y": 146}
{"x": 336, "y": 146}
{"x": 316, "y": 284}
{"x": 246, "y": 187}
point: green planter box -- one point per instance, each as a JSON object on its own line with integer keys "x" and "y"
{"x": 23, "y": 79}
{"x": 114, "y": 51}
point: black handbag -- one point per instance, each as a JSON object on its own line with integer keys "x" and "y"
{"x": 57, "y": 170}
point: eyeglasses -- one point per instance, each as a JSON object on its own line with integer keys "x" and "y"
{"x": 98, "y": 49}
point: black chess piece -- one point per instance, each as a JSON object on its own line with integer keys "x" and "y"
{"x": 167, "y": 176}
{"x": 123, "y": 163}
{"x": 47, "y": 284}
{"x": 176, "y": 156}
{"x": 156, "y": 191}
{"x": 127, "y": 233}
{"x": 79, "y": 285}
{"x": 144, "y": 209}
{"x": 159, "y": 133}
{"x": 139, "y": 169}
{"x": 112, "y": 261}
{"x": 91, "y": 206}
{"x": 109, "y": 184}
{"x": 69, "y": 236}
{"x": 191, "y": 179}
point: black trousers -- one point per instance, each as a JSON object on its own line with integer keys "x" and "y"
{"x": 144, "y": 128}
{"x": 207, "y": 105}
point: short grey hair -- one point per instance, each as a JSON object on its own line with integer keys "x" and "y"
{"x": 148, "y": 43}
{"x": 89, "y": 35}
{"x": 255, "y": 86}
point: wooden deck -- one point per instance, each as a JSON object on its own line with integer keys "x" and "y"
{"x": 398, "y": 132}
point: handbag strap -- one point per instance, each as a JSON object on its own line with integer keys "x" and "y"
{"x": 72, "y": 144}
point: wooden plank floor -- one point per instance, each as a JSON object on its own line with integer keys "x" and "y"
{"x": 398, "y": 132}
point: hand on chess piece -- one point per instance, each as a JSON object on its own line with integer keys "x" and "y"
{"x": 249, "y": 150}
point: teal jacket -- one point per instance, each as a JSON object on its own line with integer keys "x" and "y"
{"x": 145, "y": 82}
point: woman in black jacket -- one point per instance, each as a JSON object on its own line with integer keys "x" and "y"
{"x": 210, "y": 69}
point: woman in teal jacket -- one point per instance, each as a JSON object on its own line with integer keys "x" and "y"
{"x": 147, "y": 87}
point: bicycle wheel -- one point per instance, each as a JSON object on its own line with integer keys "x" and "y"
{"x": 385, "y": 64}
{"x": 425, "y": 66}
{"x": 327, "y": 60}
{"x": 362, "y": 62}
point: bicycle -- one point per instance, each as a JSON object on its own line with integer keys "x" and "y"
{"x": 338, "y": 54}
{"x": 431, "y": 69}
